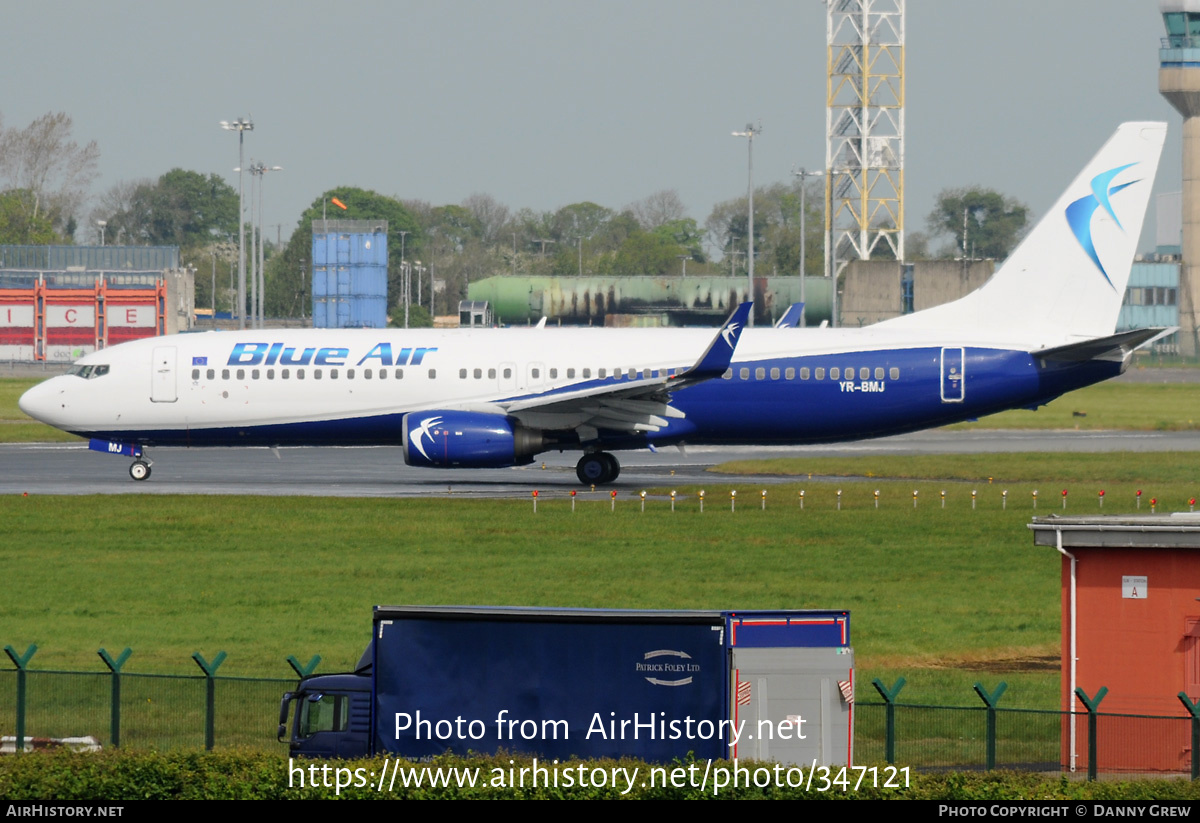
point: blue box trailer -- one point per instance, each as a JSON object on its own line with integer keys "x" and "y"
{"x": 589, "y": 683}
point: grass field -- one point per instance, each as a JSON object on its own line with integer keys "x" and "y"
{"x": 1111, "y": 405}
{"x": 942, "y": 596}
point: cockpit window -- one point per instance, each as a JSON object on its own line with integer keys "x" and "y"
{"x": 88, "y": 372}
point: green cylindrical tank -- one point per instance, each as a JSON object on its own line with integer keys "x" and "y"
{"x": 684, "y": 301}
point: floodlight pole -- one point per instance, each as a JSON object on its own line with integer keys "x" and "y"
{"x": 749, "y": 133}
{"x": 241, "y": 126}
{"x": 802, "y": 174}
{"x": 262, "y": 170}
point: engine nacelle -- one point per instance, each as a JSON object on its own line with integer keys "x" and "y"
{"x": 467, "y": 440}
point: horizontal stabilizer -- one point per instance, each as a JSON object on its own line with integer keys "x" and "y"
{"x": 1104, "y": 347}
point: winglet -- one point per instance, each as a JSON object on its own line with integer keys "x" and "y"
{"x": 717, "y": 356}
{"x": 791, "y": 317}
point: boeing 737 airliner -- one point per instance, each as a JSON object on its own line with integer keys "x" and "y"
{"x": 1041, "y": 326}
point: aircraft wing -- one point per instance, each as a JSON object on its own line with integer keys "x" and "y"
{"x": 1114, "y": 346}
{"x": 641, "y": 405}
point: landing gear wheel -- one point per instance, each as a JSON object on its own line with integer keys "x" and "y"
{"x": 614, "y": 468}
{"x": 140, "y": 470}
{"x": 597, "y": 468}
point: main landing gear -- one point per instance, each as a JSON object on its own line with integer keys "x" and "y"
{"x": 140, "y": 470}
{"x": 597, "y": 468}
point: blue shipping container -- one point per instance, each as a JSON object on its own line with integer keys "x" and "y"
{"x": 349, "y": 274}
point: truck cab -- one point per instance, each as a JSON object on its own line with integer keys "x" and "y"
{"x": 332, "y": 718}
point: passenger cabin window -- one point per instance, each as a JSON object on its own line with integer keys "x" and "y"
{"x": 254, "y": 374}
{"x": 462, "y": 374}
{"x": 790, "y": 374}
{"x": 195, "y": 374}
{"x": 878, "y": 373}
{"x": 570, "y": 374}
{"x": 835, "y": 373}
{"x": 399, "y": 374}
{"x": 478, "y": 374}
{"x": 587, "y": 373}
{"x": 270, "y": 374}
{"x": 212, "y": 373}
{"x": 224, "y": 374}
{"x": 894, "y": 373}
{"x": 491, "y": 374}
{"x": 432, "y": 374}
{"x": 819, "y": 374}
{"x": 744, "y": 374}
{"x": 317, "y": 374}
{"x": 760, "y": 373}
{"x": 774, "y": 374}
{"x": 507, "y": 374}
{"x": 864, "y": 373}
{"x": 554, "y": 374}
{"x": 349, "y": 374}
{"x": 241, "y": 374}
{"x": 804, "y": 373}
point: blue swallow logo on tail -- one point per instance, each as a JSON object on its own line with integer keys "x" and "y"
{"x": 1079, "y": 213}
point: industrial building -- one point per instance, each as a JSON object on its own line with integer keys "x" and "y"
{"x": 57, "y": 303}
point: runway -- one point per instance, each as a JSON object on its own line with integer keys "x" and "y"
{"x": 72, "y": 469}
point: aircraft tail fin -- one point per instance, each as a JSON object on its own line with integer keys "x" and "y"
{"x": 1066, "y": 280}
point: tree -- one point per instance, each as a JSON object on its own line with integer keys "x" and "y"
{"x": 19, "y": 226}
{"x": 491, "y": 215}
{"x": 577, "y": 220}
{"x": 684, "y": 233}
{"x": 776, "y": 228}
{"x": 43, "y": 160}
{"x": 994, "y": 223}
{"x": 658, "y": 209}
{"x": 182, "y": 208}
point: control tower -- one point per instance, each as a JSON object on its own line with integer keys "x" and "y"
{"x": 1179, "y": 82}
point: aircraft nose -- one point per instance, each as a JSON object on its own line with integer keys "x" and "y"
{"x": 39, "y": 402}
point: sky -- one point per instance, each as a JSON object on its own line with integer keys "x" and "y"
{"x": 543, "y": 103}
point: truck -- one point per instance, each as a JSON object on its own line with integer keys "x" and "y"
{"x": 586, "y": 683}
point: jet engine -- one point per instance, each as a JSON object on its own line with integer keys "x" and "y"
{"x": 457, "y": 439}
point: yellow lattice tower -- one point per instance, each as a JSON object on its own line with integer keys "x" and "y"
{"x": 864, "y": 131}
